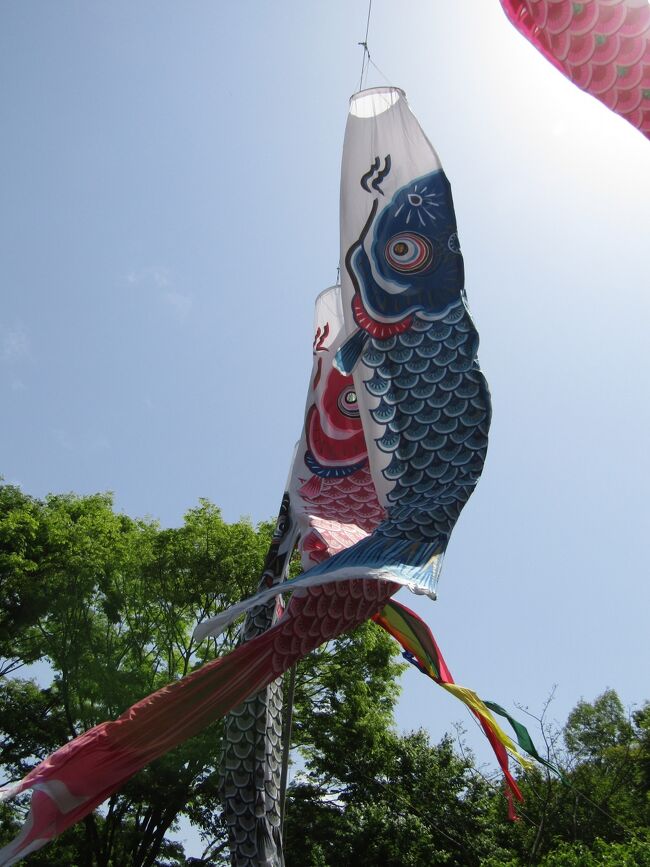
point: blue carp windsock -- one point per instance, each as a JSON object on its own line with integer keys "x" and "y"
{"x": 424, "y": 403}
{"x": 410, "y": 345}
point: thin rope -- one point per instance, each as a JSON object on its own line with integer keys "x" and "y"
{"x": 366, "y": 53}
{"x": 386, "y": 79}
{"x": 286, "y": 747}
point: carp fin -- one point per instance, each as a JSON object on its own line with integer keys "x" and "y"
{"x": 350, "y": 351}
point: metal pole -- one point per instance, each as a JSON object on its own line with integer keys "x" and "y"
{"x": 286, "y": 748}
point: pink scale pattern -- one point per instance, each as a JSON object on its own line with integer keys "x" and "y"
{"x": 602, "y": 46}
{"x": 342, "y": 512}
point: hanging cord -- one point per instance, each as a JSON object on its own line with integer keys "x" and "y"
{"x": 366, "y": 60}
{"x": 366, "y": 53}
{"x": 386, "y": 79}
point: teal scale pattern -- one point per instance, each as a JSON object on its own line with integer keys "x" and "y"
{"x": 434, "y": 405}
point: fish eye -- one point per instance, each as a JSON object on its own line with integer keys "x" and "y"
{"x": 347, "y": 402}
{"x": 409, "y": 252}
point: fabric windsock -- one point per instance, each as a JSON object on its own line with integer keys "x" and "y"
{"x": 333, "y": 499}
{"x": 602, "y": 46}
{"x": 409, "y": 344}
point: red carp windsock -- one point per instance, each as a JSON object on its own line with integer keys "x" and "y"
{"x": 329, "y": 504}
{"x": 333, "y": 498}
{"x": 409, "y": 344}
{"x": 602, "y": 46}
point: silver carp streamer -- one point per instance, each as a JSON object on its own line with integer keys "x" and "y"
{"x": 252, "y": 758}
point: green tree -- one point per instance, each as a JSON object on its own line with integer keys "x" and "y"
{"x": 108, "y": 605}
{"x": 635, "y": 853}
{"x": 407, "y": 802}
{"x": 602, "y": 800}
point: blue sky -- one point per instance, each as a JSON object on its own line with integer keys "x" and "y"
{"x": 169, "y": 212}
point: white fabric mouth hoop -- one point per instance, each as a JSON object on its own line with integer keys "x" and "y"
{"x": 374, "y": 101}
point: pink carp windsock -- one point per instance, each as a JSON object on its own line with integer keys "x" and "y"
{"x": 602, "y": 46}
{"x": 409, "y": 343}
